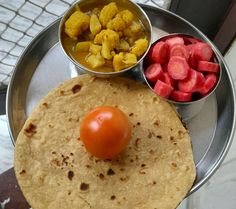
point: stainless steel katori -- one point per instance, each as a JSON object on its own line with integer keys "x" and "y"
{"x": 43, "y": 66}
{"x": 83, "y": 4}
{"x": 187, "y": 110}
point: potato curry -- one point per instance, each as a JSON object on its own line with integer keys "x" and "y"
{"x": 105, "y": 39}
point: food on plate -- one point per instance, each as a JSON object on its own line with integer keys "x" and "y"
{"x": 110, "y": 28}
{"x": 54, "y": 169}
{"x": 181, "y": 68}
{"x": 77, "y": 23}
{"x": 105, "y": 131}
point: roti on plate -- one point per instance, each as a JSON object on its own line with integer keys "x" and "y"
{"x": 54, "y": 171}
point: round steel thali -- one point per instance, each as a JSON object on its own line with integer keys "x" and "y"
{"x": 43, "y": 66}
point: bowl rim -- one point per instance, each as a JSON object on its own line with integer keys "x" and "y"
{"x": 80, "y": 66}
{"x": 214, "y": 54}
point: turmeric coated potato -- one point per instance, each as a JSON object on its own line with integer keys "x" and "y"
{"x": 110, "y": 38}
{"x": 83, "y": 46}
{"x": 127, "y": 16}
{"x": 123, "y": 60}
{"x": 95, "y": 60}
{"x": 116, "y": 24}
{"x": 133, "y": 29}
{"x": 107, "y": 13}
{"x": 123, "y": 46}
{"x": 76, "y": 24}
{"x": 106, "y": 50}
{"x": 95, "y": 49}
{"x": 107, "y": 35}
{"x": 95, "y": 25}
{"x": 140, "y": 46}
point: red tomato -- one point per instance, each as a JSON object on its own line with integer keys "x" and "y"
{"x": 105, "y": 131}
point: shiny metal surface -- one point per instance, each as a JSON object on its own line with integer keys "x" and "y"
{"x": 44, "y": 65}
{"x": 187, "y": 110}
{"x": 135, "y": 8}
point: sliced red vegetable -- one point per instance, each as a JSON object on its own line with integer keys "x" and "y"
{"x": 189, "y": 84}
{"x": 200, "y": 82}
{"x": 210, "y": 82}
{"x": 160, "y": 53}
{"x": 154, "y": 72}
{"x": 180, "y": 96}
{"x": 175, "y": 40}
{"x": 164, "y": 67}
{"x": 163, "y": 89}
{"x": 202, "y": 51}
{"x": 178, "y": 68}
{"x": 190, "y": 48}
{"x": 168, "y": 80}
{"x": 179, "y": 50}
{"x": 192, "y": 61}
{"x": 205, "y": 66}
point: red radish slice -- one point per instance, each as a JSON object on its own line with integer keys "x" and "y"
{"x": 175, "y": 40}
{"x": 210, "y": 82}
{"x": 160, "y": 52}
{"x": 205, "y": 66}
{"x": 154, "y": 72}
{"x": 189, "y": 84}
{"x": 178, "y": 68}
{"x": 164, "y": 67}
{"x": 163, "y": 89}
{"x": 192, "y": 61}
{"x": 190, "y": 48}
{"x": 180, "y": 96}
{"x": 202, "y": 51}
{"x": 200, "y": 82}
{"x": 179, "y": 50}
{"x": 167, "y": 79}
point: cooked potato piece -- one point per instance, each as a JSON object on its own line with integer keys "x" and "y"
{"x": 95, "y": 49}
{"x": 76, "y": 24}
{"x": 136, "y": 27}
{"x": 106, "y": 50}
{"x": 95, "y": 25}
{"x": 116, "y": 24}
{"x": 95, "y": 60}
{"x": 123, "y": 46}
{"x": 129, "y": 59}
{"x": 107, "y": 35}
{"x": 107, "y": 13}
{"x": 133, "y": 29}
{"x": 140, "y": 46}
{"x": 123, "y": 60}
{"x": 82, "y": 46}
{"x": 127, "y": 16}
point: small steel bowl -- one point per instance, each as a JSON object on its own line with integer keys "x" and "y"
{"x": 86, "y": 5}
{"x": 187, "y": 110}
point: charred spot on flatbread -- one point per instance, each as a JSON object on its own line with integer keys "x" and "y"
{"x": 30, "y": 130}
{"x": 76, "y": 88}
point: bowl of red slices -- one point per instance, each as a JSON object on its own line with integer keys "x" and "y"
{"x": 184, "y": 70}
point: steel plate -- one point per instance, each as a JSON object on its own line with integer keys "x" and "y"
{"x": 43, "y": 66}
